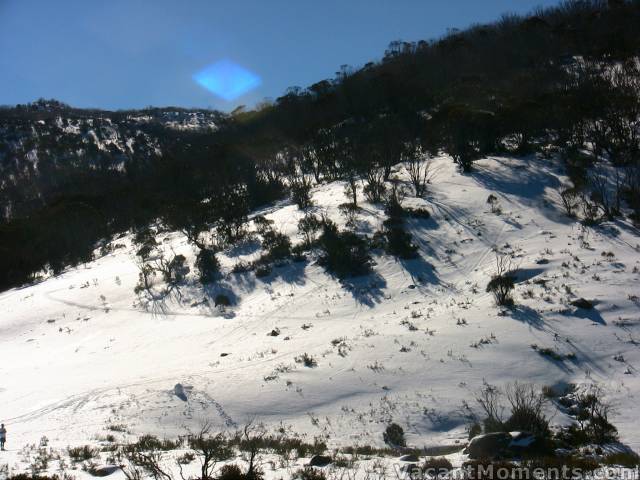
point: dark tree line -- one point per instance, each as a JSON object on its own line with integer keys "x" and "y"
{"x": 561, "y": 81}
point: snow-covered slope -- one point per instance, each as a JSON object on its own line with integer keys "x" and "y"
{"x": 411, "y": 343}
{"x": 41, "y": 143}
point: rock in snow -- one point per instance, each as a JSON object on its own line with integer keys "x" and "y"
{"x": 499, "y": 444}
{"x": 105, "y": 470}
{"x": 180, "y": 392}
{"x": 582, "y": 303}
{"x": 319, "y": 461}
{"x": 409, "y": 458}
{"x": 489, "y": 445}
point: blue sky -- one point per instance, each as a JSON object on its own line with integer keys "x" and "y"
{"x": 134, "y": 53}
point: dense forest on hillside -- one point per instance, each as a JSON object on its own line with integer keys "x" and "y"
{"x": 561, "y": 82}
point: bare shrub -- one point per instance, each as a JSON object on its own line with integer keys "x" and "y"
{"x": 375, "y": 188}
{"x": 570, "y": 200}
{"x": 502, "y": 282}
{"x": 435, "y": 467}
{"x": 527, "y": 409}
{"x": 489, "y": 400}
{"x": 83, "y": 453}
{"x": 308, "y": 226}
{"x": 350, "y": 213}
{"x": 493, "y": 202}
{"x": 419, "y": 168}
{"x": 306, "y": 360}
{"x": 173, "y": 270}
{"x": 210, "y": 450}
{"x": 393, "y": 200}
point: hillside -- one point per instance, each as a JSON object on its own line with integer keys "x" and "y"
{"x": 412, "y": 342}
{"x": 434, "y": 254}
{"x": 45, "y": 144}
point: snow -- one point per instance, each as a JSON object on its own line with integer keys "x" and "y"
{"x": 81, "y": 353}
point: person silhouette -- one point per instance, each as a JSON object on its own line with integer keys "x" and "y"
{"x": 3, "y": 436}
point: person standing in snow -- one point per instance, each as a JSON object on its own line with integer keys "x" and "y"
{"x": 3, "y": 436}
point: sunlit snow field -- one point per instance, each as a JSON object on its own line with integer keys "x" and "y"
{"x": 411, "y": 343}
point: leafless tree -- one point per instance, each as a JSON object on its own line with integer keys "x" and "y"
{"x": 489, "y": 400}
{"x": 375, "y": 187}
{"x": 419, "y": 166}
{"x": 251, "y": 441}
{"x": 527, "y": 408}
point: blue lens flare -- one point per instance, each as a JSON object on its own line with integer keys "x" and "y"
{"x": 227, "y": 79}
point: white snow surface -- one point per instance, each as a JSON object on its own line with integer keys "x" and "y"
{"x": 79, "y": 352}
